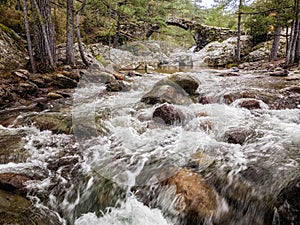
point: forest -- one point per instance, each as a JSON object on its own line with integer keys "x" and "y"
{"x": 48, "y": 23}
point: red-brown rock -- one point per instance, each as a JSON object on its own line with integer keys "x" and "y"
{"x": 168, "y": 114}
{"x": 193, "y": 194}
{"x": 13, "y": 182}
{"x": 250, "y": 104}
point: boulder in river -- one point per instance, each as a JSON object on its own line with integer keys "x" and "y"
{"x": 178, "y": 89}
{"x": 13, "y": 182}
{"x": 117, "y": 85}
{"x": 162, "y": 93}
{"x": 187, "y": 82}
{"x": 56, "y": 122}
{"x": 54, "y": 95}
{"x": 250, "y": 103}
{"x": 218, "y": 54}
{"x": 279, "y": 73}
{"x": 192, "y": 195}
{"x": 168, "y": 114}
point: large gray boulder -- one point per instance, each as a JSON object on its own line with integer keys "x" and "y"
{"x": 178, "y": 89}
{"x": 262, "y": 51}
{"x": 220, "y": 54}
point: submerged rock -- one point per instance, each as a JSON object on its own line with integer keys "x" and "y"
{"x": 17, "y": 210}
{"x": 288, "y": 204}
{"x": 12, "y": 146}
{"x": 168, "y": 114}
{"x": 238, "y": 135}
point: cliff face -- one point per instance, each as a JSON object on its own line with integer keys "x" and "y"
{"x": 12, "y": 52}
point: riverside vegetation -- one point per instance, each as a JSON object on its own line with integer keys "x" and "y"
{"x": 152, "y": 116}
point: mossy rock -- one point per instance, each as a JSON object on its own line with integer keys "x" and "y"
{"x": 56, "y": 122}
{"x": 12, "y": 50}
{"x": 102, "y": 60}
{"x": 13, "y": 35}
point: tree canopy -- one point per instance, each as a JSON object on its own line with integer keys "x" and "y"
{"x": 117, "y": 22}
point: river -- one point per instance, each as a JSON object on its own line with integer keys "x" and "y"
{"x": 98, "y": 174}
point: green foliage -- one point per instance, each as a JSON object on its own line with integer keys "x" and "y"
{"x": 218, "y": 17}
{"x": 11, "y": 15}
{"x": 267, "y": 15}
{"x": 101, "y": 59}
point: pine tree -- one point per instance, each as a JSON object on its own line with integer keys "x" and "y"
{"x": 70, "y": 59}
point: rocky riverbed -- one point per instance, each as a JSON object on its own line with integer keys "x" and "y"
{"x": 164, "y": 140}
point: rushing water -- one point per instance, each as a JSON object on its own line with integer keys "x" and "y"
{"x": 114, "y": 152}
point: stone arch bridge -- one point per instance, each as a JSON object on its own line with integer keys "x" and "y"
{"x": 202, "y": 34}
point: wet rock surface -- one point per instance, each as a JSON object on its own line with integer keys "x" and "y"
{"x": 56, "y": 122}
{"x": 12, "y": 146}
{"x": 17, "y": 210}
{"x": 187, "y": 82}
{"x": 238, "y": 135}
{"x": 288, "y": 204}
{"x": 193, "y": 196}
{"x": 177, "y": 89}
{"x": 249, "y": 103}
{"x": 163, "y": 92}
{"x": 168, "y": 114}
{"x": 15, "y": 183}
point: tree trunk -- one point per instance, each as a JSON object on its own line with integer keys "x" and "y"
{"x": 293, "y": 51}
{"x": 44, "y": 34}
{"x": 70, "y": 58}
{"x": 286, "y": 40}
{"x": 117, "y": 36}
{"x": 289, "y": 47}
{"x": 238, "y": 47}
{"x": 29, "y": 43}
{"x": 78, "y": 34}
{"x": 297, "y": 45}
{"x": 275, "y": 45}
